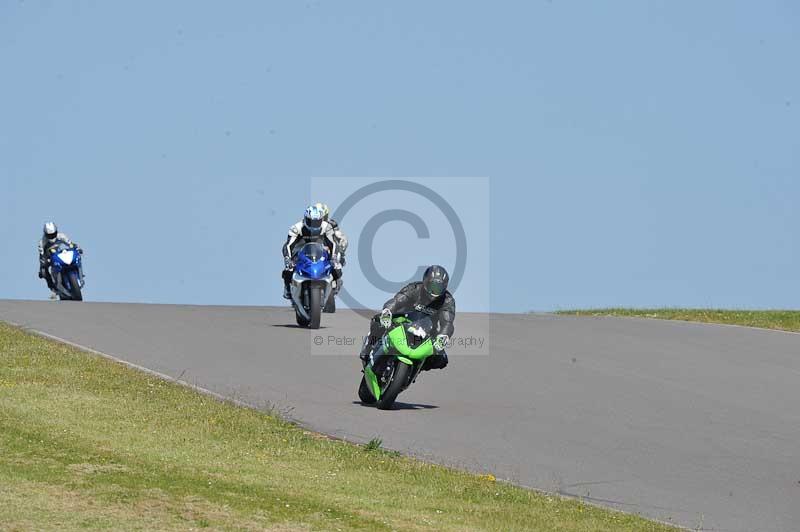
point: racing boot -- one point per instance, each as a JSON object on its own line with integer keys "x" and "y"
{"x": 286, "y": 275}
{"x": 437, "y": 361}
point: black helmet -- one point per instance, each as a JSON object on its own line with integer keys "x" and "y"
{"x": 434, "y": 282}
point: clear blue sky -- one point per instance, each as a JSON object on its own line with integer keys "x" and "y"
{"x": 646, "y": 153}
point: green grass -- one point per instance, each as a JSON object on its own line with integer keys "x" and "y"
{"x": 86, "y": 443}
{"x": 373, "y": 445}
{"x": 783, "y": 320}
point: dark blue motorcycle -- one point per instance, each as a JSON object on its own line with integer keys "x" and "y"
{"x": 312, "y": 285}
{"x": 66, "y": 270}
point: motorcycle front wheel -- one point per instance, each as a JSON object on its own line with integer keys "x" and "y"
{"x": 399, "y": 378}
{"x": 75, "y": 286}
{"x": 314, "y": 306}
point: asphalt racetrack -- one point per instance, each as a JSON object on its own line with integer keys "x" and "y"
{"x": 689, "y": 423}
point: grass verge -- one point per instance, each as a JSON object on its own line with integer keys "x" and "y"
{"x": 89, "y": 443}
{"x": 782, "y": 320}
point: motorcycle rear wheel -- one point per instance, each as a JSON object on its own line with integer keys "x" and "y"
{"x": 301, "y": 321}
{"x": 364, "y": 394}
{"x": 330, "y": 305}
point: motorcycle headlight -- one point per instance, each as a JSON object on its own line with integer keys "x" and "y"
{"x": 66, "y": 256}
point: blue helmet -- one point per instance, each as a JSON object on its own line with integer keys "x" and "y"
{"x": 313, "y": 219}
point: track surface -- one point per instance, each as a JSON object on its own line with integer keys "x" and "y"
{"x": 695, "y": 424}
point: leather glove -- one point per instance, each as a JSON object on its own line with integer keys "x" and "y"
{"x": 441, "y": 342}
{"x": 386, "y": 318}
{"x": 41, "y": 274}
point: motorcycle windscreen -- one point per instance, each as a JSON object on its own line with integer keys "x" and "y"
{"x": 314, "y": 252}
{"x": 313, "y": 261}
{"x": 66, "y": 256}
{"x": 412, "y": 345}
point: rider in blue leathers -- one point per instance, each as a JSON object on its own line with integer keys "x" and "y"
{"x": 50, "y": 237}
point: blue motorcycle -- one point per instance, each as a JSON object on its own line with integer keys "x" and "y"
{"x": 312, "y": 285}
{"x": 66, "y": 270}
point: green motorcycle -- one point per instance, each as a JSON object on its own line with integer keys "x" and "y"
{"x": 396, "y": 360}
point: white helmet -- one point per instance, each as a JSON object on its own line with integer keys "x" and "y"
{"x": 312, "y": 220}
{"x": 325, "y": 210}
{"x": 50, "y": 231}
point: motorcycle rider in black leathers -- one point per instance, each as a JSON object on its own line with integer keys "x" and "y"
{"x": 429, "y": 296}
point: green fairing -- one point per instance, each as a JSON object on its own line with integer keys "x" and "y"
{"x": 395, "y": 340}
{"x": 372, "y": 382}
{"x": 397, "y": 337}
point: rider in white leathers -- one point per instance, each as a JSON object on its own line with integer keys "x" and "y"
{"x": 313, "y": 228}
{"x": 50, "y": 237}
